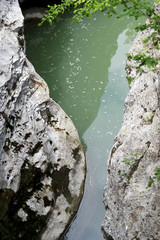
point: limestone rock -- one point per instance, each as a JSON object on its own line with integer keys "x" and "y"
{"x": 132, "y": 209}
{"x": 42, "y": 163}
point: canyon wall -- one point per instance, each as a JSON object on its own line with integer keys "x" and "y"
{"x": 42, "y": 162}
{"x": 133, "y": 208}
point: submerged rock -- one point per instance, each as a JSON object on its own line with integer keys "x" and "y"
{"x": 133, "y": 209}
{"x": 42, "y": 163}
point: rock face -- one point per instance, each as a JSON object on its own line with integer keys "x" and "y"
{"x": 132, "y": 209}
{"x": 42, "y": 163}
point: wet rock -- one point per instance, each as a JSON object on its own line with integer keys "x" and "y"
{"x": 42, "y": 163}
{"x": 132, "y": 209}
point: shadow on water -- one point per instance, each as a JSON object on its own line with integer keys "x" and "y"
{"x": 74, "y": 62}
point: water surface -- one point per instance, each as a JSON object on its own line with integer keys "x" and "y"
{"x": 84, "y": 66}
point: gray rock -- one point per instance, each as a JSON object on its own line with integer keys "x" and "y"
{"x": 42, "y": 163}
{"x": 132, "y": 209}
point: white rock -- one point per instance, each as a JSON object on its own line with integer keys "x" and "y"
{"x": 22, "y": 215}
{"x": 132, "y": 209}
{"x": 42, "y": 159}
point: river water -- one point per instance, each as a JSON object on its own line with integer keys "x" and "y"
{"x": 84, "y": 67}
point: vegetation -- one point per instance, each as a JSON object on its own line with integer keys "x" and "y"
{"x": 134, "y": 157}
{"x": 156, "y": 177}
{"x": 81, "y": 8}
{"x": 143, "y": 60}
{"x": 134, "y": 8}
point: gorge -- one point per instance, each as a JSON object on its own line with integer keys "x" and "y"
{"x": 42, "y": 159}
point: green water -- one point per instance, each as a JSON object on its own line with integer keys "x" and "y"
{"x": 84, "y": 66}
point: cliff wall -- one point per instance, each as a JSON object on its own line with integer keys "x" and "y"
{"x": 42, "y": 163}
{"x": 132, "y": 209}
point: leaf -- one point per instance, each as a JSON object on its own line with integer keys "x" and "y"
{"x": 129, "y": 79}
{"x": 136, "y": 154}
{"x": 50, "y": 22}
{"x": 150, "y": 183}
{"x": 127, "y": 160}
{"x": 129, "y": 56}
{"x": 40, "y": 24}
{"x": 157, "y": 173}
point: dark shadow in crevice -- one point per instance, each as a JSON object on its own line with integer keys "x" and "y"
{"x": 24, "y": 4}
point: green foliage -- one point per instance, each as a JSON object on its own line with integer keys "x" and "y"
{"x": 134, "y": 156}
{"x": 156, "y": 177}
{"x": 129, "y": 56}
{"x": 129, "y": 79}
{"x": 159, "y": 128}
{"x": 127, "y": 160}
{"x": 133, "y": 8}
{"x": 150, "y": 183}
{"x": 81, "y": 8}
{"x": 142, "y": 60}
{"x": 154, "y": 40}
{"x": 145, "y": 61}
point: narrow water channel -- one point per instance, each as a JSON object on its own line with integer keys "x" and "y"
{"x": 84, "y": 66}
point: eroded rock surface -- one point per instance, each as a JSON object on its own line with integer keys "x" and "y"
{"x": 132, "y": 209}
{"x": 42, "y": 163}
